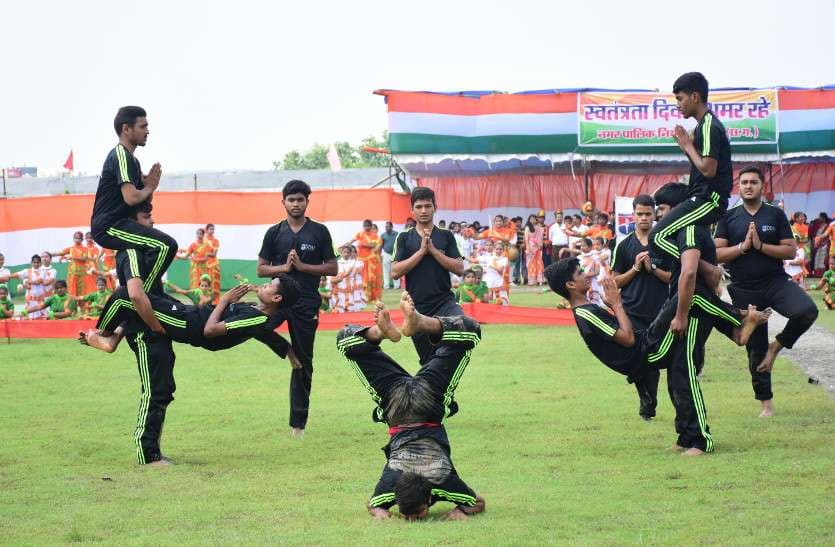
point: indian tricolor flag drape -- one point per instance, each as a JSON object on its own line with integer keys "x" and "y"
{"x": 36, "y": 224}
{"x": 431, "y": 132}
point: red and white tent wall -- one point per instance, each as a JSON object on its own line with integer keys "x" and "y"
{"x": 806, "y": 187}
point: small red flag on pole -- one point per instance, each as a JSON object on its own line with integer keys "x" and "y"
{"x": 69, "y": 163}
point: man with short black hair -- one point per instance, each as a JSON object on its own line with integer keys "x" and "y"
{"x": 711, "y": 170}
{"x": 633, "y": 353}
{"x": 419, "y": 469}
{"x": 122, "y": 186}
{"x": 426, "y": 255}
{"x": 388, "y": 237}
{"x": 303, "y": 249}
{"x": 753, "y": 239}
{"x": 643, "y": 281}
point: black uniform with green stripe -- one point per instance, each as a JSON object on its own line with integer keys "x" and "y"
{"x": 708, "y": 199}
{"x": 706, "y": 313}
{"x": 110, "y": 223}
{"x": 184, "y": 323}
{"x": 419, "y": 442}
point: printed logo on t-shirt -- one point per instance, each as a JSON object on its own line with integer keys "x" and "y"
{"x": 308, "y": 247}
{"x": 767, "y": 228}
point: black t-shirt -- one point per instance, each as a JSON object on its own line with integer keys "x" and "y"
{"x": 598, "y": 327}
{"x": 693, "y": 237}
{"x": 428, "y": 282}
{"x": 772, "y": 227}
{"x": 645, "y": 294}
{"x": 425, "y": 451}
{"x": 312, "y": 243}
{"x": 243, "y": 321}
{"x": 711, "y": 140}
{"x": 120, "y": 167}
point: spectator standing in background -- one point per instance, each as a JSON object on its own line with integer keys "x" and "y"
{"x": 78, "y": 264}
{"x": 213, "y": 262}
{"x": 520, "y": 265}
{"x": 534, "y": 238}
{"x": 819, "y": 258}
{"x": 557, "y": 236}
{"x": 93, "y": 253}
{"x": 388, "y": 237}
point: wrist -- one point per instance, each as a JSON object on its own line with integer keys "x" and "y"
{"x": 636, "y": 268}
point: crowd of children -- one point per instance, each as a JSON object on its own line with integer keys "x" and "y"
{"x": 91, "y": 278}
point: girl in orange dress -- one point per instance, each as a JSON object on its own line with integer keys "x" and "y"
{"x": 93, "y": 253}
{"x": 214, "y": 262}
{"x": 108, "y": 264}
{"x": 79, "y": 261}
{"x": 198, "y": 252}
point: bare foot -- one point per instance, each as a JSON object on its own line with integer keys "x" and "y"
{"x": 383, "y": 319}
{"x": 410, "y": 315}
{"x": 768, "y": 409}
{"x": 693, "y": 452}
{"x": 297, "y": 432}
{"x": 753, "y": 319}
{"x": 767, "y": 363}
{"x": 293, "y": 358}
{"x": 161, "y": 463}
{"x": 94, "y": 339}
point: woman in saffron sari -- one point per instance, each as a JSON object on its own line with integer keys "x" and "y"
{"x": 79, "y": 262}
{"x": 534, "y": 237}
{"x": 198, "y": 252}
{"x": 214, "y": 262}
{"x": 368, "y": 244}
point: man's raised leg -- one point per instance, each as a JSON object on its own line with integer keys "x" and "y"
{"x": 360, "y": 346}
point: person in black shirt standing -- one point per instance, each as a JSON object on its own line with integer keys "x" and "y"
{"x": 642, "y": 278}
{"x": 426, "y": 255}
{"x": 636, "y": 353}
{"x": 419, "y": 470}
{"x": 303, "y": 249}
{"x": 643, "y": 281}
{"x": 753, "y": 239}
{"x": 711, "y": 171}
{"x": 122, "y": 186}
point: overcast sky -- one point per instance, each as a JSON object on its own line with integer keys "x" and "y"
{"x": 237, "y": 84}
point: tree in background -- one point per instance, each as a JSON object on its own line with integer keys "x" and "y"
{"x": 351, "y": 156}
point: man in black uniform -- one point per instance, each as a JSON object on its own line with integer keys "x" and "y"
{"x": 612, "y": 339}
{"x": 122, "y": 186}
{"x": 643, "y": 281}
{"x": 753, "y": 239}
{"x": 210, "y": 327}
{"x": 419, "y": 470}
{"x": 695, "y": 280}
{"x": 303, "y": 249}
{"x": 426, "y": 255}
{"x": 711, "y": 171}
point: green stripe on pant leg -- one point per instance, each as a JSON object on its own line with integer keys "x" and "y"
{"x": 161, "y": 247}
{"x": 661, "y": 237}
{"x": 666, "y": 343}
{"x": 714, "y": 310}
{"x": 695, "y": 390}
{"x": 453, "y": 383}
{"x": 145, "y": 398}
{"x": 358, "y": 371}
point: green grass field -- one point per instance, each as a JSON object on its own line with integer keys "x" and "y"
{"x": 549, "y": 436}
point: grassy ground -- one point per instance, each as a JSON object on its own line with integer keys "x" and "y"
{"x": 548, "y": 435}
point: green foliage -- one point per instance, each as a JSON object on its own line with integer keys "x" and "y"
{"x": 351, "y": 156}
{"x": 548, "y": 435}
